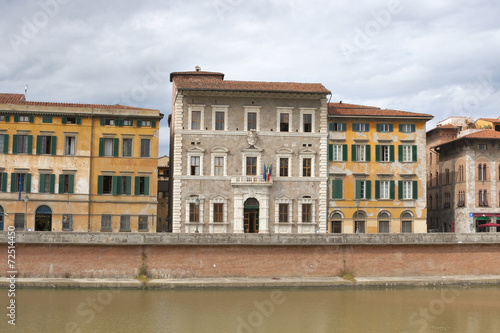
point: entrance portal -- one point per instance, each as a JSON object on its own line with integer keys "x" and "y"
{"x": 251, "y": 216}
{"x": 43, "y": 219}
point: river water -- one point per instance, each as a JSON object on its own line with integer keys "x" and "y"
{"x": 446, "y": 309}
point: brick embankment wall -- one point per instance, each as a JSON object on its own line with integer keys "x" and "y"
{"x": 235, "y": 256}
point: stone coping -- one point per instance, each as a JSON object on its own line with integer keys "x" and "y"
{"x": 115, "y": 238}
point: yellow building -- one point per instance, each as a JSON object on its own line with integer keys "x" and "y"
{"x": 377, "y": 170}
{"x": 77, "y": 167}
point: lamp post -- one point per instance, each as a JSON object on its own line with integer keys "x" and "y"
{"x": 197, "y": 204}
{"x": 356, "y": 220}
{"x": 26, "y": 200}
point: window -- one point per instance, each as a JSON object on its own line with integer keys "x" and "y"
{"x": 128, "y": 122}
{"x": 195, "y": 165}
{"x": 108, "y": 146}
{"x": 337, "y": 189}
{"x": 47, "y": 119}
{"x": 127, "y": 147}
{"x": 483, "y": 198}
{"x": 481, "y": 174}
{"x": 20, "y": 182}
{"x": 70, "y": 145}
{"x": 70, "y": 120}
{"x": 145, "y": 147}
{"x": 218, "y": 212}
{"x": 219, "y": 121}
{"x": 337, "y": 127}
{"x": 406, "y": 227}
{"x": 461, "y": 199}
{"x": 437, "y": 178}
{"x": 461, "y": 173}
{"x": 385, "y": 189}
{"x": 105, "y": 222}
{"x": 218, "y": 166}
{"x": 107, "y": 184}
{"x": 284, "y": 122}
{"x": 430, "y": 179}
{"x": 337, "y": 152}
{"x": 251, "y": 121}
{"x": 447, "y": 176}
{"x": 194, "y": 212}
{"x": 24, "y": 119}
{"x": 44, "y": 145}
{"x": 67, "y": 222}
{"x": 406, "y": 222}
{"x": 125, "y": 223}
{"x": 363, "y": 189}
{"x": 385, "y": 153}
{"x": 2, "y": 144}
{"x": 19, "y": 221}
{"x": 66, "y": 183}
{"x": 430, "y": 158}
{"x": 384, "y": 127}
{"x": 110, "y": 122}
{"x": 360, "y": 153}
{"x": 306, "y": 167}
{"x": 22, "y": 144}
{"x": 447, "y": 200}
{"x": 409, "y": 153}
{"x": 141, "y": 185}
{"x": 359, "y": 222}
{"x": 195, "y": 120}
{"x": 146, "y": 123}
{"x": 336, "y": 223}
{"x": 143, "y": 223}
{"x": 283, "y": 167}
{"x": 306, "y": 213}
{"x": 307, "y": 122}
{"x": 407, "y": 190}
{"x": 383, "y": 222}
{"x": 283, "y": 212}
{"x": 45, "y": 183}
{"x": 2, "y": 117}
{"x": 251, "y": 166}
{"x": 407, "y": 128}
{"x": 360, "y": 127}
{"x": 482, "y": 147}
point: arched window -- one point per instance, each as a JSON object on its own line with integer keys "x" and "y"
{"x": 336, "y": 223}
{"x": 437, "y": 178}
{"x": 384, "y": 220}
{"x": 406, "y": 222}
{"x": 447, "y": 176}
{"x": 359, "y": 222}
{"x": 481, "y": 172}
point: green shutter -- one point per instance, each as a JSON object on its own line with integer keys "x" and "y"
{"x": 64, "y": 120}
{"x": 52, "y": 183}
{"x": 28, "y": 183}
{"x": 16, "y": 118}
{"x": 358, "y": 189}
{"x": 7, "y": 117}
{"x": 401, "y": 127}
{"x": 400, "y": 153}
{"x": 13, "y": 186}
{"x": 367, "y": 126}
{"x": 53, "y": 149}
{"x": 400, "y": 189}
{"x": 115, "y": 185}
{"x": 139, "y": 123}
{"x": 415, "y": 190}
{"x": 137, "y": 184}
{"x": 61, "y": 184}
{"x": 30, "y": 144}
{"x": 118, "y": 185}
{"x": 414, "y": 153}
{"x": 116, "y": 146}
{"x": 330, "y": 126}
{"x": 14, "y": 144}
{"x": 4, "y": 182}
{"x": 99, "y": 184}
{"x": 343, "y": 127}
{"x": 412, "y": 127}
{"x": 71, "y": 186}
{"x": 153, "y": 123}
{"x": 353, "y": 153}
{"x": 344, "y": 153}
{"x": 31, "y": 118}
{"x": 330, "y": 152}
{"x": 38, "y": 144}
{"x": 392, "y": 189}
{"x": 132, "y": 122}
{"x": 355, "y": 127}
{"x": 391, "y": 153}
{"x": 102, "y": 122}
{"x": 78, "y": 120}
{"x": 101, "y": 146}
{"x": 47, "y": 119}
{"x": 5, "y": 143}
{"x": 391, "y": 128}
{"x": 146, "y": 185}
{"x": 368, "y": 153}
{"x": 337, "y": 189}
{"x": 129, "y": 184}
{"x": 377, "y": 189}
{"x": 368, "y": 189}
{"x": 378, "y": 126}
{"x": 41, "y": 189}
{"x": 377, "y": 153}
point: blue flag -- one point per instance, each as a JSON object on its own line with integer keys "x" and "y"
{"x": 265, "y": 177}
{"x": 20, "y": 184}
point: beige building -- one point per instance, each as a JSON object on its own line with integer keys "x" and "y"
{"x": 77, "y": 167}
{"x": 225, "y": 138}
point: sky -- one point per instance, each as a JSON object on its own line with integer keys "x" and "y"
{"x": 437, "y": 57}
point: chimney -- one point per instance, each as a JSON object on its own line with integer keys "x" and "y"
{"x": 197, "y": 68}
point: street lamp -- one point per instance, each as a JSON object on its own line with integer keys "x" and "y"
{"x": 356, "y": 220}
{"x": 197, "y": 204}
{"x": 26, "y": 200}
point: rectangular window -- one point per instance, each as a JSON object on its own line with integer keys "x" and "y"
{"x": 128, "y": 122}
{"x": 363, "y": 189}
{"x": 108, "y": 146}
{"x": 107, "y": 184}
{"x": 384, "y": 189}
{"x": 406, "y": 227}
{"x": 283, "y": 212}
{"x": 306, "y": 167}
{"x": 143, "y": 183}
{"x": 219, "y": 166}
{"x": 125, "y": 223}
{"x": 218, "y": 212}
{"x": 127, "y": 147}
{"x": 359, "y": 227}
{"x": 360, "y": 127}
{"x": 219, "y": 121}
{"x": 125, "y": 185}
{"x": 110, "y": 122}
{"x": 47, "y": 119}
{"x": 407, "y": 128}
{"x": 482, "y": 147}
{"x": 24, "y": 119}
{"x": 20, "y": 182}
{"x": 195, "y": 120}
{"x": 44, "y": 183}
{"x": 19, "y": 221}
{"x": 337, "y": 152}
{"x": 105, "y": 222}
{"x": 67, "y": 183}
{"x": 194, "y": 212}
{"x": 361, "y": 153}
{"x": 251, "y": 166}
{"x": 251, "y": 121}
{"x": 46, "y": 145}
{"x": 143, "y": 223}
{"x": 384, "y": 127}
{"x": 70, "y": 120}
{"x": 195, "y": 165}
{"x": 384, "y": 153}
{"x": 283, "y": 167}
{"x": 2, "y": 117}
{"x": 337, "y": 127}
{"x": 307, "y": 122}
{"x": 383, "y": 227}
{"x": 2, "y": 140}
{"x": 284, "y": 122}
{"x": 67, "y": 222}
{"x": 306, "y": 213}
{"x": 70, "y": 145}
{"x": 145, "y": 147}
{"x": 22, "y": 144}
{"x": 147, "y": 123}
{"x": 407, "y": 190}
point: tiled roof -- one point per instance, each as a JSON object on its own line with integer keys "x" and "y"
{"x": 18, "y": 99}
{"x": 206, "y": 83}
{"x": 491, "y": 120}
{"x": 485, "y": 134}
{"x": 342, "y": 109}
{"x": 200, "y": 73}
{"x": 447, "y": 126}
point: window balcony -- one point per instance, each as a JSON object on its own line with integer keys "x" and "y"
{"x": 251, "y": 180}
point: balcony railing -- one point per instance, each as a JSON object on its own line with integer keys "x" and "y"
{"x": 250, "y": 180}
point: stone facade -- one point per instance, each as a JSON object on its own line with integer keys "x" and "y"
{"x": 226, "y": 134}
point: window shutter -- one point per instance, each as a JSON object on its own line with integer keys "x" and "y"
{"x": 400, "y": 153}
{"x": 330, "y": 152}
{"x": 101, "y": 146}
{"x": 412, "y": 127}
{"x": 30, "y": 144}
{"x": 131, "y": 122}
{"x": 415, "y": 189}
{"x": 64, "y": 120}
{"x": 53, "y": 149}
{"x": 414, "y": 153}
{"x": 47, "y": 119}
{"x": 139, "y": 123}
{"x": 117, "y": 122}
{"x": 378, "y": 126}
{"x": 343, "y": 127}
{"x": 38, "y": 144}
{"x": 31, "y": 118}
{"x": 119, "y": 185}
{"x": 99, "y": 184}
{"x": 116, "y": 146}
{"x": 41, "y": 189}
{"x": 391, "y": 127}
{"x": 377, "y": 189}
{"x": 377, "y": 153}
{"x": 137, "y": 184}
{"x": 14, "y": 144}
{"x": 337, "y": 189}
{"x": 392, "y": 189}
{"x": 115, "y": 185}
{"x": 368, "y": 189}
{"x": 146, "y": 185}
{"x": 5, "y": 143}
{"x": 71, "y": 187}
{"x": 353, "y": 153}
{"x": 153, "y": 123}
{"x": 61, "y": 184}
{"x": 78, "y": 120}
{"x": 344, "y": 153}
{"x": 367, "y": 127}
{"x": 28, "y": 183}
{"x": 4, "y": 182}
{"x": 129, "y": 184}
{"x": 330, "y": 126}
{"x": 16, "y": 118}
{"x": 7, "y": 118}
{"x": 368, "y": 153}
{"x": 355, "y": 127}
{"x": 13, "y": 186}
{"x": 52, "y": 183}
{"x": 102, "y": 122}
{"x": 400, "y": 189}
{"x": 391, "y": 153}
{"x": 358, "y": 189}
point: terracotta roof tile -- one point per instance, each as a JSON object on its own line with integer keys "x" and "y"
{"x": 195, "y": 74}
{"x": 447, "y": 126}
{"x": 485, "y": 134}
{"x": 343, "y": 109}
{"x": 492, "y": 120}
{"x": 11, "y": 98}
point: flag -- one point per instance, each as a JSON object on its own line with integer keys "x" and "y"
{"x": 264, "y": 172}
{"x": 271, "y": 169}
{"x": 20, "y": 185}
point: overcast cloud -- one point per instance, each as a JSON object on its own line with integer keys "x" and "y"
{"x": 437, "y": 57}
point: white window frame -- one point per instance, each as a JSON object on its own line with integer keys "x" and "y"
{"x": 280, "y": 110}
{"x": 200, "y": 108}
{"x": 337, "y": 153}
{"x": 193, "y": 154}
{"x": 385, "y": 154}
{"x": 65, "y": 145}
{"x": 312, "y": 112}
{"x": 407, "y": 189}
{"x": 24, "y": 119}
{"x": 255, "y": 109}
{"x": 362, "y": 189}
{"x": 361, "y": 157}
{"x": 108, "y": 139}
{"x": 385, "y": 127}
{"x": 407, "y": 153}
{"x": 224, "y": 167}
{"x": 303, "y": 201}
{"x": 406, "y": 128}
{"x": 219, "y": 108}
{"x": 277, "y": 203}
{"x": 385, "y": 188}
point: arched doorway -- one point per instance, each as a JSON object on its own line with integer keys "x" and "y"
{"x": 43, "y": 219}
{"x": 1, "y": 217}
{"x": 251, "y": 216}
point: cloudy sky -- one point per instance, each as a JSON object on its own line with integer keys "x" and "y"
{"x": 438, "y": 57}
